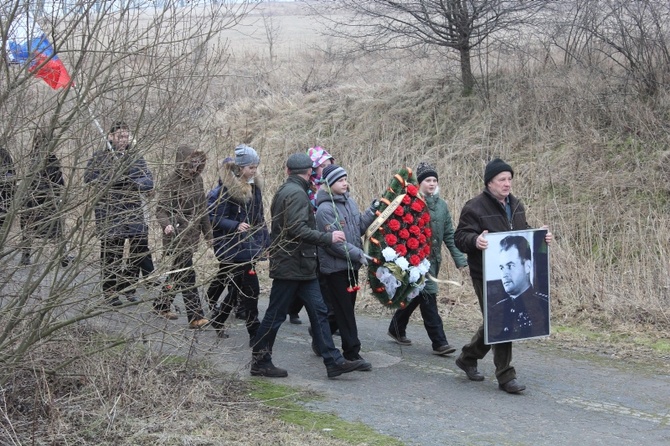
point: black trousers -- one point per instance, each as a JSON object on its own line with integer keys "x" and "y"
{"x": 182, "y": 280}
{"x": 334, "y": 288}
{"x": 477, "y": 349}
{"x": 432, "y": 321}
{"x": 117, "y": 279}
{"x": 243, "y": 289}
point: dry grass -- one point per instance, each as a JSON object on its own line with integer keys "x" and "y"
{"x": 130, "y": 396}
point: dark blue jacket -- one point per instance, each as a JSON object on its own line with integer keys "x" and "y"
{"x": 233, "y": 202}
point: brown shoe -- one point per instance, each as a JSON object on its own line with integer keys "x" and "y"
{"x": 167, "y": 314}
{"x": 198, "y": 323}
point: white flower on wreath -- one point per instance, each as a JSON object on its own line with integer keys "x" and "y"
{"x": 414, "y": 274}
{"x": 389, "y": 254}
{"x": 385, "y": 276}
{"x": 424, "y": 266}
{"x": 402, "y": 263}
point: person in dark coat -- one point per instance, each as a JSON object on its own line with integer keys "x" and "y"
{"x": 240, "y": 238}
{"x": 182, "y": 214}
{"x": 442, "y": 230}
{"x": 7, "y": 183}
{"x": 339, "y": 264}
{"x": 293, "y": 268}
{"x": 119, "y": 176}
{"x": 41, "y": 216}
{"x": 320, "y": 159}
{"x": 494, "y": 210}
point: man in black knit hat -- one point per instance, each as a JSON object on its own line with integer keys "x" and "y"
{"x": 494, "y": 210}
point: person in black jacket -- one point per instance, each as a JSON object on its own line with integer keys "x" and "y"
{"x": 293, "y": 268}
{"x": 240, "y": 238}
{"x": 119, "y": 176}
{"x": 41, "y": 216}
{"x": 494, "y": 210}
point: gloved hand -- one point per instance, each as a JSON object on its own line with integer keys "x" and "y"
{"x": 374, "y": 206}
{"x": 363, "y": 260}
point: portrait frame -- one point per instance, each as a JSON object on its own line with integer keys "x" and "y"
{"x": 516, "y": 297}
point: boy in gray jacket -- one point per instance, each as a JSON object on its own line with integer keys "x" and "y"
{"x": 339, "y": 263}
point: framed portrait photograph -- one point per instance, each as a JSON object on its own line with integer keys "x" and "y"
{"x": 516, "y": 286}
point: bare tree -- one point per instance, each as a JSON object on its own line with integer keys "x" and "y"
{"x": 155, "y": 67}
{"x": 458, "y": 25}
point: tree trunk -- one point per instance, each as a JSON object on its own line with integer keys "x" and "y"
{"x": 466, "y": 71}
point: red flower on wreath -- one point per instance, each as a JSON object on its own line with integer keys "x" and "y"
{"x": 407, "y": 218}
{"x": 426, "y": 251}
{"x": 412, "y": 190}
{"x": 414, "y": 260}
{"x": 414, "y": 230}
{"x": 422, "y": 239}
{"x": 406, "y": 200}
{"x": 399, "y": 211}
{"x": 401, "y": 250}
{"x": 394, "y": 225}
{"x": 390, "y": 239}
{"x": 427, "y": 232}
{"x": 412, "y": 243}
{"x": 417, "y": 206}
{"x": 403, "y": 234}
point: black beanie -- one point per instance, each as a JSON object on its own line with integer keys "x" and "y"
{"x": 425, "y": 170}
{"x": 494, "y": 167}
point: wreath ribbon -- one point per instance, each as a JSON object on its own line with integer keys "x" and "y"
{"x": 381, "y": 219}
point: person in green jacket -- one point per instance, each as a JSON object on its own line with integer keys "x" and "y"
{"x": 442, "y": 230}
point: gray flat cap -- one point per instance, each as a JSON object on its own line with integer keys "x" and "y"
{"x": 299, "y": 161}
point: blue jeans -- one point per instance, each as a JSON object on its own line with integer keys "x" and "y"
{"x": 281, "y": 297}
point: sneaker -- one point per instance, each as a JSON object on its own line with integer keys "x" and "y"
{"x": 268, "y": 370}
{"x": 400, "y": 340}
{"x": 345, "y": 367}
{"x": 444, "y": 350}
{"x": 198, "y": 323}
{"x": 470, "y": 370}
{"x": 512, "y": 386}
{"x": 294, "y": 319}
{"x": 366, "y": 367}
{"x": 167, "y": 314}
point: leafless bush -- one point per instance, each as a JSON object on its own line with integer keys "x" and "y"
{"x": 153, "y": 68}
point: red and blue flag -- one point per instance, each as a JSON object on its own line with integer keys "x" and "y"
{"x": 28, "y": 45}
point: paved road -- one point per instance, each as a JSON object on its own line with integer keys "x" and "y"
{"x": 424, "y": 399}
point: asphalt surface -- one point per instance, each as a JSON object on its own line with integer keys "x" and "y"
{"x": 423, "y": 399}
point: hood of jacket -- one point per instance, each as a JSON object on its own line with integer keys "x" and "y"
{"x": 189, "y": 162}
{"x": 238, "y": 189}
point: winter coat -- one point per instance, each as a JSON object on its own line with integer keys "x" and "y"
{"x": 442, "y": 229}
{"x": 182, "y": 203}
{"x": 293, "y": 233}
{"x": 40, "y": 213}
{"x": 339, "y": 212}
{"x": 485, "y": 212}
{"x": 232, "y": 202}
{"x": 119, "y": 179}
{"x": 7, "y": 181}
